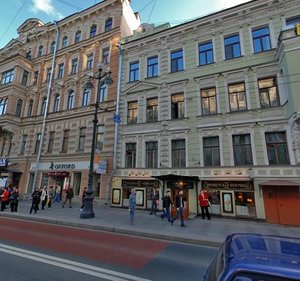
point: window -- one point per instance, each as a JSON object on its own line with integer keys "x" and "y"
{"x": 25, "y": 77}
{"x": 291, "y": 22}
{"x": 71, "y": 100}
{"x": 64, "y": 42}
{"x": 277, "y": 148}
{"x": 93, "y": 31}
{"x": 7, "y": 77}
{"x": 211, "y": 151}
{"x": 261, "y": 39}
{"x": 52, "y": 47}
{"x": 60, "y": 71}
{"x": 74, "y": 68}
{"x": 176, "y": 61}
{"x": 177, "y": 106}
{"x": 82, "y": 136}
{"x": 103, "y": 93}
{"x": 65, "y": 143}
{"x": 77, "y": 36}
{"x": 132, "y": 112}
{"x": 108, "y": 24}
{"x": 30, "y": 106}
{"x": 86, "y": 97}
{"x": 134, "y": 71}
{"x": 105, "y": 56}
{"x": 242, "y": 149}
{"x": 151, "y": 154}
{"x": 48, "y": 76}
{"x": 19, "y": 108}
{"x": 268, "y": 94}
{"x": 23, "y": 144}
{"x": 51, "y": 142}
{"x": 152, "y": 67}
{"x": 152, "y": 113}
{"x": 130, "y": 157}
{"x": 3, "y": 106}
{"x": 43, "y": 106}
{"x": 40, "y": 51}
{"x": 56, "y": 103}
{"x": 35, "y": 78}
{"x": 37, "y": 143}
{"x": 232, "y": 47}
{"x": 237, "y": 97}
{"x": 208, "y": 101}
{"x": 89, "y": 62}
{"x": 206, "y": 55}
{"x": 100, "y": 137}
{"x": 178, "y": 153}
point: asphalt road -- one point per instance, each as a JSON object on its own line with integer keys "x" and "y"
{"x": 38, "y": 251}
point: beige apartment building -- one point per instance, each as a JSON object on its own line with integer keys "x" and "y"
{"x": 213, "y": 104}
{"x": 46, "y": 112}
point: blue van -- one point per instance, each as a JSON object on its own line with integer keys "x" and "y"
{"x": 255, "y": 257}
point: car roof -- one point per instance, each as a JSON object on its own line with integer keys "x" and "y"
{"x": 265, "y": 254}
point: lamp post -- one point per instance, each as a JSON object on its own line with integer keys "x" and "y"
{"x": 103, "y": 77}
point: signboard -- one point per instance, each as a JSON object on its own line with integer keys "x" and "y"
{"x": 298, "y": 29}
{"x": 139, "y": 183}
{"x": 248, "y": 185}
{"x": 117, "y": 118}
{"x": 3, "y": 162}
{"x": 101, "y": 167}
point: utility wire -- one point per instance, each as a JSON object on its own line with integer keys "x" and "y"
{"x": 10, "y": 24}
{"x": 151, "y": 11}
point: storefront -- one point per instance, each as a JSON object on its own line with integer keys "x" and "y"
{"x": 143, "y": 187}
{"x": 231, "y": 198}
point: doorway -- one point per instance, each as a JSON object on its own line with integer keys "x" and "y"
{"x": 227, "y": 203}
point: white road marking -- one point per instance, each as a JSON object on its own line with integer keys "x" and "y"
{"x": 70, "y": 265}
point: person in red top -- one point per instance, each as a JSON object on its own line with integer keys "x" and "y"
{"x": 4, "y": 198}
{"x": 204, "y": 204}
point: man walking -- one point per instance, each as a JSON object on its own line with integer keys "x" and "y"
{"x": 166, "y": 206}
{"x": 179, "y": 204}
{"x": 154, "y": 201}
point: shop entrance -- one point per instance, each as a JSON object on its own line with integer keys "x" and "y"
{"x": 282, "y": 205}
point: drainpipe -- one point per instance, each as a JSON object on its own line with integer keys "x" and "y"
{"x": 46, "y": 107}
{"x": 116, "y": 122}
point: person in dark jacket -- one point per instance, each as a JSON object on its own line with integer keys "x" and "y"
{"x": 69, "y": 196}
{"x": 14, "y": 199}
{"x": 82, "y": 198}
{"x": 154, "y": 201}
{"x": 179, "y": 204}
{"x": 166, "y": 206}
{"x": 36, "y": 198}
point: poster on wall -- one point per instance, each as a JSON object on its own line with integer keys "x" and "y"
{"x": 139, "y": 197}
{"x": 116, "y": 196}
{"x": 227, "y": 203}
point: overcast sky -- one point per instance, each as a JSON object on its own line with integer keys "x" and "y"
{"x": 14, "y": 12}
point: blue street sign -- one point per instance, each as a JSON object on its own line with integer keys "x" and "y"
{"x": 117, "y": 118}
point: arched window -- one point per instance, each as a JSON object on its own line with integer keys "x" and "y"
{"x": 103, "y": 93}
{"x": 30, "y": 106}
{"x": 86, "y": 97}
{"x": 41, "y": 51}
{"x": 3, "y": 106}
{"x": 52, "y": 47}
{"x": 71, "y": 100}
{"x": 78, "y": 36}
{"x": 108, "y": 24}
{"x": 56, "y": 103}
{"x": 19, "y": 108}
{"x": 93, "y": 30}
{"x": 43, "y": 107}
{"x": 64, "y": 42}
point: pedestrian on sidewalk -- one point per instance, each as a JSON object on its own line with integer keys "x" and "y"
{"x": 179, "y": 204}
{"x": 50, "y": 196}
{"x": 57, "y": 196}
{"x": 166, "y": 206}
{"x": 204, "y": 204}
{"x": 14, "y": 199}
{"x": 36, "y": 198}
{"x": 4, "y": 199}
{"x": 132, "y": 205}
{"x": 82, "y": 198}
{"x": 154, "y": 201}
{"x": 44, "y": 197}
{"x": 69, "y": 196}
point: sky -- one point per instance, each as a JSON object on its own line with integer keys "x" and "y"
{"x": 13, "y": 13}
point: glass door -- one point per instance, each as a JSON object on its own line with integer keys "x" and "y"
{"x": 227, "y": 203}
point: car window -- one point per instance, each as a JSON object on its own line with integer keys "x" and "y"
{"x": 216, "y": 266}
{"x": 258, "y": 277}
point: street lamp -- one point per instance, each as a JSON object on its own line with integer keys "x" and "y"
{"x": 103, "y": 77}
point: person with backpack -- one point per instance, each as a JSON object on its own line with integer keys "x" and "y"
{"x": 35, "y": 197}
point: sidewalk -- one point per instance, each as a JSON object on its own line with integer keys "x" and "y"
{"x": 106, "y": 218}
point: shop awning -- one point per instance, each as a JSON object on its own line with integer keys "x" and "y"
{"x": 279, "y": 183}
{"x": 173, "y": 177}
